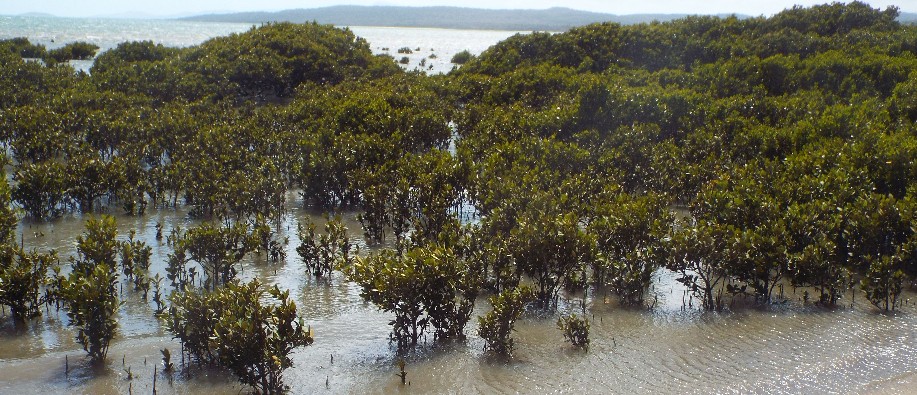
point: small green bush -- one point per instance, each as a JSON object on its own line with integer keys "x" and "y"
{"x": 575, "y": 329}
{"x": 462, "y": 57}
{"x": 425, "y": 287}
{"x": 496, "y": 326}
{"x": 92, "y": 303}
{"x": 234, "y": 328}
{"x": 90, "y": 291}
{"x": 24, "y": 48}
{"x": 79, "y": 50}
{"x": 322, "y": 253}
{"x": 22, "y": 276}
{"x": 883, "y": 284}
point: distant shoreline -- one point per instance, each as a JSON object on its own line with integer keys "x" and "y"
{"x": 553, "y": 19}
{"x": 458, "y": 18}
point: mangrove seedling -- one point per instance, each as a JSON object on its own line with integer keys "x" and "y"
{"x": 575, "y": 329}
{"x": 496, "y": 326}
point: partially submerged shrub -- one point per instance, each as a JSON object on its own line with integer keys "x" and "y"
{"x": 496, "y": 326}
{"x": 234, "y": 328}
{"x": 23, "y": 47}
{"x": 322, "y": 253}
{"x": 575, "y": 329}
{"x": 22, "y": 276}
{"x": 883, "y": 284}
{"x": 90, "y": 291}
{"x": 550, "y": 248}
{"x": 218, "y": 249}
{"x": 462, "y": 57}
{"x": 41, "y": 189}
{"x": 92, "y": 303}
{"x": 135, "y": 261}
{"x": 424, "y": 287}
{"x": 79, "y": 50}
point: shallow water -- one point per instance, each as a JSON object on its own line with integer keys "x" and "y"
{"x": 54, "y": 32}
{"x": 789, "y": 348}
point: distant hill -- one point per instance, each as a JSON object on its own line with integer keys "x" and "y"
{"x": 553, "y": 19}
{"x": 38, "y": 15}
{"x": 907, "y": 17}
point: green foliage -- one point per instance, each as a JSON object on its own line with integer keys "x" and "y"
{"x": 89, "y": 178}
{"x": 746, "y": 201}
{"x": 278, "y": 57}
{"x": 789, "y": 138}
{"x": 24, "y": 48}
{"x": 835, "y": 18}
{"x": 193, "y": 316}
{"x": 146, "y": 69}
{"x": 8, "y": 217}
{"x": 815, "y": 265}
{"x": 497, "y": 325}
{"x": 98, "y": 245}
{"x": 495, "y": 260}
{"x": 701, "y": 254}
{"x": 330, "y": 250}
{"x": 235, "y": 328}
{"x": 131, "y": 52}
{"x": 79, "y": 50}
{"x": 575, "y": 329}
{"x": 92, "y": 304}
{"x": 427, "y": 288}
{"x": 549, "y": 246}
{"x": 135, "y": 261}
{"x": 418, "y": 192}
{"x": 461, "y": 57}
{"x": 23, "y": 276}
{"x": 90, "y": 290}
{"x": 218, "y": 248}
{"x": 628, "y": 231}
{"x": 177, "y": 270}
{"x": 883, "y": 284}
{"x": 40, "y": 189}
{"x": 775, "y": 131}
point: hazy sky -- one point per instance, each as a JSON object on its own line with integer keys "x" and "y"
{"x": 176, "y": 7}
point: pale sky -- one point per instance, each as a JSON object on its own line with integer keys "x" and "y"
{"x": 182, "y": 7}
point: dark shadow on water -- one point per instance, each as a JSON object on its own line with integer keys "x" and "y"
{"x": 11, "y": 327}
{"x": 490, "y": 359}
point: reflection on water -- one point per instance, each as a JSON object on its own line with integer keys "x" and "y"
{"x": 789, "y": 348}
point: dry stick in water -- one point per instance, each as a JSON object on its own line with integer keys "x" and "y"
{"x": 402, "y": 374}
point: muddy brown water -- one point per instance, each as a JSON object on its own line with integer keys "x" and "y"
{"x": 790, "y": 348}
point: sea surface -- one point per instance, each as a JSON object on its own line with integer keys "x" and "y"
{"x": 667, "y": 347}
{"x": 433, "y": 47}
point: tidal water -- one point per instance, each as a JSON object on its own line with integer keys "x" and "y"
{"x": 788, "y": 348}
{"x": 435, "y": 47}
